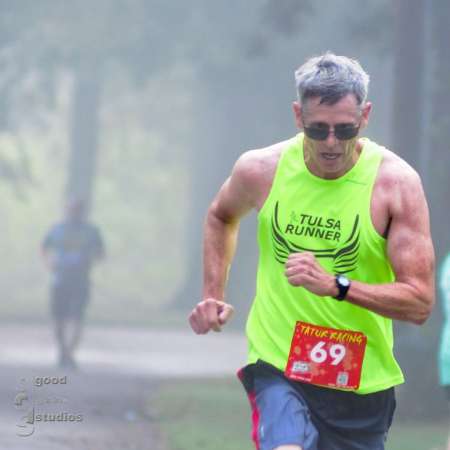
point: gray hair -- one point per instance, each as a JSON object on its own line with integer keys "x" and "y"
{"x": 331, "y": 77}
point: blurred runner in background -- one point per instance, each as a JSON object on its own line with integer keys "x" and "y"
{"x": 70, "y": 249}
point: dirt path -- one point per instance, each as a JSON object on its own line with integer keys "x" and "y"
{"x": 90, "y": 411}
{"x": 100, "y": 406}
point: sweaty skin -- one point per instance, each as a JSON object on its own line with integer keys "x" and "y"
{"x": 398, "y": 205}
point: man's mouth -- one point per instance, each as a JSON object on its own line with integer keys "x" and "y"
{"x": 330, "y": 156}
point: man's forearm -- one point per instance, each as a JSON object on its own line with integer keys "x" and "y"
{"x": 218, "y": 250}
{"x": 396, "y": 300}
{"x": 410, "y": 299}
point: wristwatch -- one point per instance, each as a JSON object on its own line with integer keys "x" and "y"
{"x": 343, "y": 284}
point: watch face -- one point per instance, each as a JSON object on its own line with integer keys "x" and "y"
{"x": 343, "y": 281}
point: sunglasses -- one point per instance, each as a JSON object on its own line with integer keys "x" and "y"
{"x": 342, "y": 131}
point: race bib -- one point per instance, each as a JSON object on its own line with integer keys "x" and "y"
{"x": 326, "y": 356}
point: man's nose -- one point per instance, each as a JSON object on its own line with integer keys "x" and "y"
{"x": 330, "y": 141}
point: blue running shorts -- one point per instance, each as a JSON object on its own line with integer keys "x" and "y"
{"x": 287, "y": 412}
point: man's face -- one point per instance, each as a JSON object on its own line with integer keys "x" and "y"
{"x": 335, "y": 155}
{"x": 74, "y": 211}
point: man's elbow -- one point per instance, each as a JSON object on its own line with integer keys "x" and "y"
{"x": 217, "y": 216}
{"x": 420, "y": 320}
{"x": 424, "y": 311}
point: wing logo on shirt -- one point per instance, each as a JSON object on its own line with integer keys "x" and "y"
{"x": 344, "y": 257}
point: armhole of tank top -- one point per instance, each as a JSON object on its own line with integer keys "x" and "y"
{"x": 373, "y": 231}
{"x": 275, "y": 178}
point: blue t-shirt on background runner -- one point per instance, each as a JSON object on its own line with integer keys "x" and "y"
{"x": 76, "y": 245}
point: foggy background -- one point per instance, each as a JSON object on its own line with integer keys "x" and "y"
{"x": 142, "y": 107}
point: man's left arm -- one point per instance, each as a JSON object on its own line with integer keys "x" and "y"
{"x": 410, "y": 250}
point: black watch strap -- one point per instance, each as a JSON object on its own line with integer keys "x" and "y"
{"x": 343, "y": 285}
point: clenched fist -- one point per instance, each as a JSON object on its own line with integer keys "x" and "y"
{"x": 210, "y": 314}
{"x": 302, "y": 269}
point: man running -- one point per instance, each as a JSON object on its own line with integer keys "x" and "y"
{"x": 70, "y": 249}
{"x": 345, "y": 247}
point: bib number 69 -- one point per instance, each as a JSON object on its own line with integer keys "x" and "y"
{"x": 319, "y": 354}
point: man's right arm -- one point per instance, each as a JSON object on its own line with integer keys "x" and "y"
{"x": 237, "y": 196}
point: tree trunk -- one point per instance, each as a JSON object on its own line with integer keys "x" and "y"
{"x": 422, "y": 397}
{"x": 237, "y": 119}
{"x": 409, "y": 42}
{"x": 217, "y": 148}
{"x": 440, "y": 128}
{"x": 83, "y": 142}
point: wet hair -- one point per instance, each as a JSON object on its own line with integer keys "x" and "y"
{"x": 331, "y": 77}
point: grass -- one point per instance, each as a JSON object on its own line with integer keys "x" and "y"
{"x": 418, "y": 436}
{"x": 204, "y": 415}
{"x": 210, "y": 414}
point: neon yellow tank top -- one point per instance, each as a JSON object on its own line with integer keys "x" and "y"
{"x": 330, "y": 218}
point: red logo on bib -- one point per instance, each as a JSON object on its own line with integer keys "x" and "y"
{"x": 326, "y": 356}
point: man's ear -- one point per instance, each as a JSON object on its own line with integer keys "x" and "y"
{"x": 296, "y": 107}
{"x": 365, "y": 114}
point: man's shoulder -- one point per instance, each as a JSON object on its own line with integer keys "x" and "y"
{"x": 253, "y": 172}
{"x": 261, "y": 162}
{"x": 56, "y": 228}
{"x": 398, "y": 184}
{"x": 395, "y": 171}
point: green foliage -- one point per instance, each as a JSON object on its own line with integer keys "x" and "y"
{"x": 141, "y": 203}
{"x": 24, "y": 221}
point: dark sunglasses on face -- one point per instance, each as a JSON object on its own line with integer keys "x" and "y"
{"x": 342, "y": 131}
